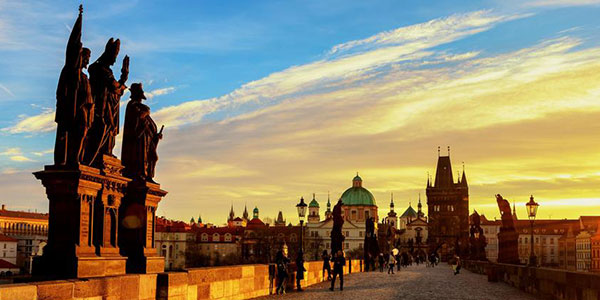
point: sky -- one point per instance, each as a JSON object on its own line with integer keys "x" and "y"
{"x": 264, "y": 102}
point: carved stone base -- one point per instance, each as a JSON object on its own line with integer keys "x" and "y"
{"x": 508, "y": 247}
{"x": 78, "y": 236}
{"x": 137, "y": 227}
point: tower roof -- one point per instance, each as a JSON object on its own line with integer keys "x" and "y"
{"x": 313, "y": 202}
{"x": 409, "y": 212}
{"x": 443, "y": 174}
{"x": 358, "y": 195}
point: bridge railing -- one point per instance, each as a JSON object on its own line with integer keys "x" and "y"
{"x": 230, "y": 282}
{"x": 546, "y": 283}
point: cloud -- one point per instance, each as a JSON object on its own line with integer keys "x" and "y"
{"x": 20, "y": 158}
{"x": 352, "y": 62}
{"x": 11, "y": 151}
{"x": 160, "y": 92}
{"x": 42, "y": 153}
{"x": 6, "y": 90}
{"x": 43, "y": 122}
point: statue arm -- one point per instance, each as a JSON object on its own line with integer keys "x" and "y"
{"x": 74, "y": 46}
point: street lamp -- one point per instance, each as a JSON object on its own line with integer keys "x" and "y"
{"x": 301, "y": 214}
{"x": 532, "y": 208}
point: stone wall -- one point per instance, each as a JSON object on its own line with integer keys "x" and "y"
{"x": 545, "y": 283}
{"x": 233, "y": 282}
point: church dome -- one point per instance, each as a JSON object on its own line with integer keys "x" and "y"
{"x": 358, "y": 195}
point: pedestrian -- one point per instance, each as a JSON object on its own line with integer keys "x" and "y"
{"x": 272, "y": 272}
{"x": 398, "y": 259}
{"x": 458, "y": 265}
{"x": 282, "y": 272}
{"x": 326, "y": 265}
{"x": 391, "y": 263}
{"x": 299, "y": 269}
{"x": 338, "y": 269}
{"x": 381, "y": 262}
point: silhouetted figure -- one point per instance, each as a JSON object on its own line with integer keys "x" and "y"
{"x": 107, "y": 93}
{"x": 140, "y": 138}
{"x": 338, "y": 269}
{"x": 381, "y": 262}
{"x": 299, "y": 270}
{"x": 282, "y": 272}
{"x": 326, "y": 265}
{"x": 337, "y": 238}
{"x": 508, "y": 251}
{"x": 74, "y": 103}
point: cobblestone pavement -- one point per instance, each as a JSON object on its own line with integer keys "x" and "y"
{"x": 414, "y": 282}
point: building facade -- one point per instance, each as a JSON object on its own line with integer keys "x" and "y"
{"x": 30, "y": 229}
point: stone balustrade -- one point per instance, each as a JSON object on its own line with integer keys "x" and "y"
{"x": 546, "y": 283}
{"x": 224, "y": 283}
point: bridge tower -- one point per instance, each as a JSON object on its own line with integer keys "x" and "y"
{"x": 448, "y": 211}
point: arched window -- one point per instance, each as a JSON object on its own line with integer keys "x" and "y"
{"x": 228, "y": 237}
{"x": 204, "y": 237}
{"x": 293, "y": 238}
{"x": 216, "y": 237}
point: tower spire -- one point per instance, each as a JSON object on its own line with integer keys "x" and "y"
{"x": 439, "y": 151}
{"x": 448, "y": 150}
{"x": 392, "y": 202}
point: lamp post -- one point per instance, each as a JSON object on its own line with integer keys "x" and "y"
{"x": 532, "y": 207}
{"x": 301, "y": 214}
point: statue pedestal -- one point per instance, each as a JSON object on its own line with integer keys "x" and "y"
{"x": 508, "y": 247}
{"x": 82, "y": 225}
{"x": 137, "y": 227}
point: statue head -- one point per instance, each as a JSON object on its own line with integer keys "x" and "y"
{"x": 85, "y": 57}
{"x": 137, "y": 91}
{"x": 111, "y": 51}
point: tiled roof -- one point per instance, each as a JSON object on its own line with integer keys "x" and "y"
{"x": 23, "y": 214}
{"x": 4, "y": 238}
{"x": 7, "y": 265}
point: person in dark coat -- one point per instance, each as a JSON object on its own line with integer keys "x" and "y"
{"x": 326, "y": 265}
{"x": 381, "y": 262}
{"x": 338, "y": 269}
{"x": 299, "y": 270}
{"x": 282, "y": 271}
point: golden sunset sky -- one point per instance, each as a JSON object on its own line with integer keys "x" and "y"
{"x": 514, "y": 90}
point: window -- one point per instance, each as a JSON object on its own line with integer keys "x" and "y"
{"x": 204, "y": 237}
{"x": 354, "y": 215}
{"x": 216, "y": 237}
{"x": 360, "y": 233}
{"x": 228, "y": 237}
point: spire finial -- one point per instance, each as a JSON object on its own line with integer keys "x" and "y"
{"x": 313, "y": 196}
{"x": 448, "y": 150}
{"x": 439, "y": 151}
{"x": 327, "y": 196}
{"x": 80, "y": 9}
{"x": 392, "y": 197}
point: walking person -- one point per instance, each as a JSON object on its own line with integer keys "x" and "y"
{"x": 381, "y": 262}
{"x": 391, "y": 263}
{"x": 326, "y": 265}
{"x": 457, "y": 264}
{"x": 338, "y": 269}
{"x": 282, "y": 272}
{"x": 299, "y": 270}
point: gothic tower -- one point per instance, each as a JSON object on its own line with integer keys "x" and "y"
{"x": 392, "y": 217}
{"x": 448, "y": 211}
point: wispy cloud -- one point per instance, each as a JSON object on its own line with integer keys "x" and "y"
{"x": 160, "y": 92}
{"x": 15, "y": 154}
{"x": 43, "y": 122}
{"x": 6, "y": 90}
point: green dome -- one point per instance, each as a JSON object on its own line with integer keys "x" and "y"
{"x": 358, "y": 196}
{"x": 313, "y": 203}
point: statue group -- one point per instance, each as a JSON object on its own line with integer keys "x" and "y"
{"x": 102, "y": 210}
{"x": 477, "y": 239}
{"x": 87, "y": 112}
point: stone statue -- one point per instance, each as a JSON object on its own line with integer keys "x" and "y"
{"x": 140, "y": 138}
{"x": 508, "y": 237}
{"x": 371, "y": 247}
{"x": 107, "y": 93}
{"x": 74, "y": 104}
{"x": 477, "y": 241}
{"x": 337, "y": 238}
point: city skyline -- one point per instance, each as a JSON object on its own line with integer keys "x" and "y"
{"x": 260, "y": 109}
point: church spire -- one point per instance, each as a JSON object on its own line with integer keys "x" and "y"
{"x": 463, "y": 181}
{"x": 245, "y": 215}
{"x": 231, "y": 213}
{"x": 420, "y": 208}
{"x": 392, "y": 202}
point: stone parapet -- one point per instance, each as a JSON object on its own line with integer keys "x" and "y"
{"x": 546, "y": 283}
{"x": 223, "y": 283}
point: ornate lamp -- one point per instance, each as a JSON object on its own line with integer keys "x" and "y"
{"x": 532, "y": 208}
{"x": 301, "y": 214}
